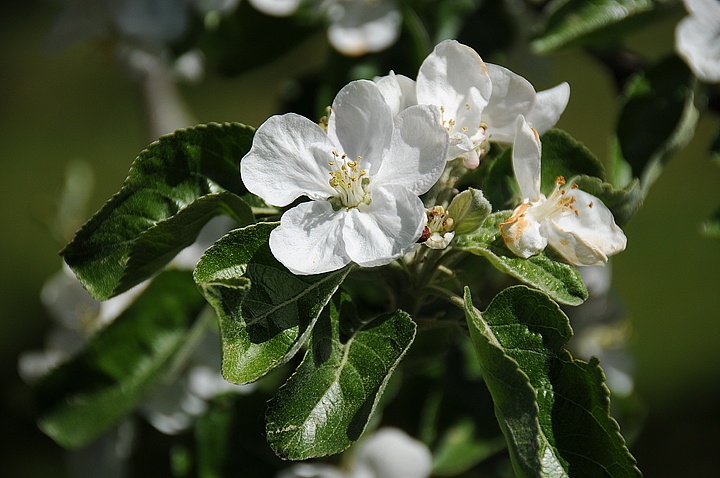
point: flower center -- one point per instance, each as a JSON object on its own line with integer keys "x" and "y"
{"x": 558, "y": 202}
{"x": 350, "y": 182}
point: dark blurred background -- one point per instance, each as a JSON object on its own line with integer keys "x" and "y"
{"x": 77, "y": 105}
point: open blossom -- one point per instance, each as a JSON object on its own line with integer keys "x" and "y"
{"x": 479, "y": 101}
{"x": 387, "y": 453}
{"x": 364, "y": 177}
{"x": 576, "y": 224}
{"x": 697, "y": 39}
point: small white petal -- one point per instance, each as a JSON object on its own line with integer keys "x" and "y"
{"x": 591, "y": 222}
{"x": 357, "y": 28}
{"x": 362, "y": 123}
{"x": 386, "y": 229}
{"x": 697, "y": 41}
{"x": 454, "y": 77}
{"x": 277, "y": 8}
{"x": 398, "y": 91}
{"x": 314, "y": 470}
{"x": 288, "y": 159}
{"x": 309, "y": 239}
{"x": 522, "y": 233}
{"x": 391, "y": 453}
{"x": 549, "y": 105}
{"x": 526, "y": 156}
{"x": 512, "y": 95}
{"x": 417, "y": 156}
{"x": 572, "y": 247}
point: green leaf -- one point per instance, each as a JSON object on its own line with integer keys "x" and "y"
{"x": 657, "y": 119}
{"x": 327, "y": 402}
{"x": 553, "y": 409}
{"x": 459, "y": 449}
{"x": 174, "y": 187}
{"x": 213, "y": 432}
{"x": 711, "y": 226}
{"x": 573, "y": 22}
{"x": 87, "y": 395}
{"x": 560, "y": 281}
{"x": 266, "y": 313}
{"x": 563, "y": 155}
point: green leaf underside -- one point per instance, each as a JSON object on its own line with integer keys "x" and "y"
{"x": 553, "y": 409}
{"x": 173, "y": 189}
{"x": 266, "y": 313}
{"x": 85, "y": 396}
{"x": 657, "y": 119}
{"x": 560, "y": 281}
{"x": 326, "y": 404}
{"x": 573, "y": 22}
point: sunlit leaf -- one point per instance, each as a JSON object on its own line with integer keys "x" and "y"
{"x": 173, "y": 189}
{"x": 327, "y": 402}
{"x": 572, "y": 22}
{"x": 266, "y": 313}
{"x": 553, "y": 409}
{"x": 87, "y": 395}
{"x": 559, "y": 280}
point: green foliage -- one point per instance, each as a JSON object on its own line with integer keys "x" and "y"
{"x": 87, "y": 395}
{"x": 266, "y": 313}
{"x": 174, "y": 187}
{"x": 573, "y": 22}
{"x": 657, "y": 119}
{"x": 327, "y": 402}
{"x": 553, "y": 409}
{"x": 560, "y": 281}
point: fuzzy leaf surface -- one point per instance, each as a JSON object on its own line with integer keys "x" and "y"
{"x": 554, "y": 410}
{"x": 266, "y": 313}
{"x": 173, "y": 189}
{"x": 559, "y": 280}
{"x": 326, "y": 404}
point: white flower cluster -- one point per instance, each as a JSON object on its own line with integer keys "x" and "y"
{"x": 389, "y": 141}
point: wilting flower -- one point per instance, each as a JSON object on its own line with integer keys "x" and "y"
{"x": 573, "y": 222}
{"x": 364, "y": 177}
{"x": 479, "y": 101}
{"x": 697, "y": 39}
{"x": 387, "y": 453}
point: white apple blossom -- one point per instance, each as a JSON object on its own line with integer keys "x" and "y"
{"x": 364, "y": 176}
{"x": 357, "y": 27}
{"x": 479, "y": 101}
{"x": 576, "y": 224}
{"x": 387, "y": 453}
{"x": 697, "y": 39}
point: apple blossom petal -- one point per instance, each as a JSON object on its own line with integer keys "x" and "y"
{"x": 572, "y": 247}
{"x": 526, "y": 155}
{"x": 697, "y": 41}
{"x": 398, "y": 91}
{"x": 709, "y": 9}
{"x": 288, "y": 159}
{"x": 357, "y": 28}
{"x": 277, "y": 8}
{"x": 311, "y": 470}
{"x": 549, "y": 105}
{"x": 417, "y": 156}
{"x": 455, "y": 78}
{"x": 386, "y": 228}
{"x": 361, "y": 123}
{"x": 522, "y": 233}
{"x": 391, "y": 453}
{"x": 512, "y": 95}
{"x": 309, "y": 239}
{"x": 590, "y": 221}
